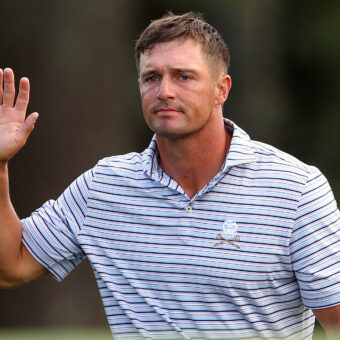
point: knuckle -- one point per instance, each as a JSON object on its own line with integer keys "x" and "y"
{"x": 22, "y": 97}
{"x": 9, "y": 85}
{"x": 8, "y": 91}
{"x": 9, "y": 81}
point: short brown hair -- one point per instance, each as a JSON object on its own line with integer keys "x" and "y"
{"x": 186, "y": 26}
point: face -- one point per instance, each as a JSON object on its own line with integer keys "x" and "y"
{"x": 179, "y": 94}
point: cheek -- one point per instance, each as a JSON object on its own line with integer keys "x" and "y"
{"x": 147, "y": 96}
{"x": 202, "y": 97}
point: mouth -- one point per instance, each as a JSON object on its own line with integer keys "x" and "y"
{"x": 167, "y": 111}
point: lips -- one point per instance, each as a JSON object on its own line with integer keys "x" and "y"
{"x": 166, "y": 110}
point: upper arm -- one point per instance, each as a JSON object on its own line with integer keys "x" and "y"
{"x": 27, "y": 269}
{"x": 30, "y": 269}
{"x": 330, "y": 315}
{"x": 51, "y": 234}
{"x": 315, "y": 244}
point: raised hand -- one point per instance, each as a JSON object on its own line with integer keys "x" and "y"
{"x": 14, "y": 127}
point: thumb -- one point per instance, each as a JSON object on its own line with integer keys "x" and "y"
{"x": 27, "y": 127}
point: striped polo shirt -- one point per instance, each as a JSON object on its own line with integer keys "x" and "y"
{"x": 246, "y": 258}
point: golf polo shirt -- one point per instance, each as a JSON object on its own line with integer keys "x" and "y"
{"x": 246, "y": 258}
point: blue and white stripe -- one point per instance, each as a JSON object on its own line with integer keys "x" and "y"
{"x": 154, "y": 253}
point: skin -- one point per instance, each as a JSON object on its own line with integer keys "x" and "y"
{"x": 182, "y": 101}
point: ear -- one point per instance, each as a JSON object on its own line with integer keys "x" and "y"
{"x": 223, "y": 86}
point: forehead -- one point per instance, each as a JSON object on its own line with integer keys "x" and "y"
{"x": 173, "y": 54}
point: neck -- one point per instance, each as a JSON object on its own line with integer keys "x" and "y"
{"x": 194, "y": 160}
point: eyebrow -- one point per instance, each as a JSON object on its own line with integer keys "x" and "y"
{"x": 176, "y": 69}
{"x": 147, "y": 73}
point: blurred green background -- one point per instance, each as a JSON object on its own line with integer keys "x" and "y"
{"x": 60, "y": 333}
{"x": 79, "y": 57}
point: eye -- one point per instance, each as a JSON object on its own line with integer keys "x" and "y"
{"x": 151, "y": 79}
{"x": 184, "y": 77}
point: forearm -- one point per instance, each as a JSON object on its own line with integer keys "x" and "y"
{"x": 330, "y": 321}
{"x": 10, "y": 232}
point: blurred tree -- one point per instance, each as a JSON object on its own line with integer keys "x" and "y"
{"x": 313, "y": 69}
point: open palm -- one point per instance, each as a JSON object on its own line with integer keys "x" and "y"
{"x": 14, "y": 126}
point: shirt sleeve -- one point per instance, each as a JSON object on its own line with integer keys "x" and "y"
{"x": 315, "y": 244}
{"x": 51, "y": 232}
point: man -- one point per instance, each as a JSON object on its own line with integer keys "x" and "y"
{"x": 206, "y": 234}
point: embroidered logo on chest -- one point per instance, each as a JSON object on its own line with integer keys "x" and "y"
{"x": 228, "y": 234}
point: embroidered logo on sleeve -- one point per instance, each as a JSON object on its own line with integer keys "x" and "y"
{"x": 228, "y": 234}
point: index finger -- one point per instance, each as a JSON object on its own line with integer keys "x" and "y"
{"x": 23, "y": 95}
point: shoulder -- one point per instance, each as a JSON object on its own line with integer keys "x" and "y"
{"x": 120, "y": 167}
{"x": 261, "y": 160}
{"x": 132, "y": 160}
{"x": 273, "y": 159}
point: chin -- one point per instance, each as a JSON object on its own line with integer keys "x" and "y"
{"x": 172, "y": 133}
{"x": 171, "y": 128}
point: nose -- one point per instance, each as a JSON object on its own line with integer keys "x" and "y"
{"x": 166, "y": 89}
